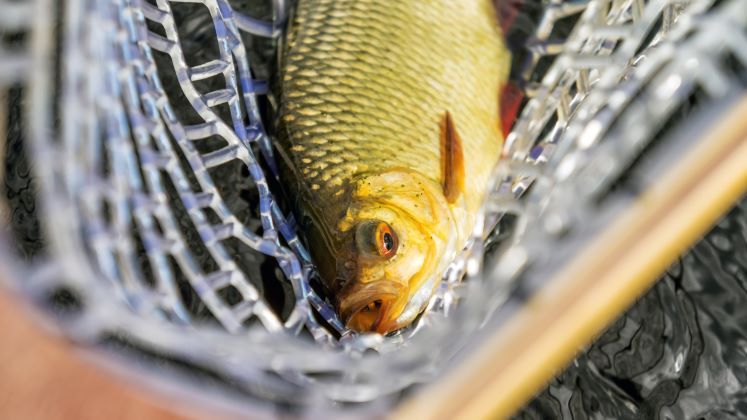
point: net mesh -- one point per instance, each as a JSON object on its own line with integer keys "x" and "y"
{"x": 161, "y": 238}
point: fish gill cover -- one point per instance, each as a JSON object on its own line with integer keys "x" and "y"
{"x": 144, "y": 210}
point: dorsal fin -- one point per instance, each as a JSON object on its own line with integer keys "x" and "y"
{"x": 452, "y": 160}
{"x": 509, "y": 101}
{"x": 518, "y": 20}
{"x": 507, "y": 11}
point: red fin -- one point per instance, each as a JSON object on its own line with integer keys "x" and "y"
{"x": 452, "y": 160}
{"x": 507, "y": 11}
{"x": 508, "y": 104}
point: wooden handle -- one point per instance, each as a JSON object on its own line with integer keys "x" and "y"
{"x": 41, "y": 377}
{"x": 593, "y": 289}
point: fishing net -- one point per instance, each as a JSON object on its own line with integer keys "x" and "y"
{"x": 143, "y": 213}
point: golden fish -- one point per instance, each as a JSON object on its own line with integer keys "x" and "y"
{"x": 389, "y": 129}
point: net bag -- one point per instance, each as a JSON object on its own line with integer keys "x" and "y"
{"x": 143, "y": 221}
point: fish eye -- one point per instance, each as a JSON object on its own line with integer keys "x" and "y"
{"x": 386, "y": 240}
{"x": 377, "y": 238}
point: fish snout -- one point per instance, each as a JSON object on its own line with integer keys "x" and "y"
{"x": 373, "y": 307}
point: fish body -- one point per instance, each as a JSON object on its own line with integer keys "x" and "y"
{"x": 389, "y": 128}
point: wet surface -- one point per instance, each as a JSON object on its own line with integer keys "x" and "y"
{"x": 19, "y": 207}
{"x": 679, "y": 352}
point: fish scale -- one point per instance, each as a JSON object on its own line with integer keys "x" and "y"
{"x": 365, "y": 86}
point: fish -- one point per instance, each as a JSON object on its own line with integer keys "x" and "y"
{"x": 389, "y": 128}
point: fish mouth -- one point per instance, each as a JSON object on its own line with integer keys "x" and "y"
{"x": 373, "y": 307}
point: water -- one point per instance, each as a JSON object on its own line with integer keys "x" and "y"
{"x": 679, "y": 352}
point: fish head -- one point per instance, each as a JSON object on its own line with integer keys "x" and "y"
{"x": 399, "y": 237}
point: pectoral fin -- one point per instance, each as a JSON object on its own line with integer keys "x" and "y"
{"x": 452, "y": 160}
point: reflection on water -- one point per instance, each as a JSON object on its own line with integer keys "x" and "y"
{"x": 680, "y": 352}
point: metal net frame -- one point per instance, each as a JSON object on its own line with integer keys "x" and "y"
{"x": 134, "y": 145}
